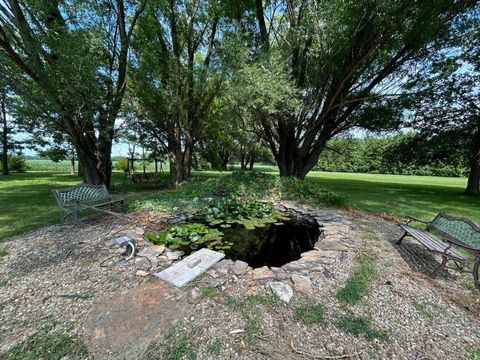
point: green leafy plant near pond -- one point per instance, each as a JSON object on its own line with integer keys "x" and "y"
{"x": 247, "y": 212}
{"x": 193, "y": 236}
{"x": 200, "y": 193}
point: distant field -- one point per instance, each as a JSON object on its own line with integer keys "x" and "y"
{"x": 26, "y": 201}
{"x": 64, "y": 166}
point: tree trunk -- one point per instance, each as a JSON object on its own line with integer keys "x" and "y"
{"x": 291, "y": 160}
{"x": 225, "y": 157}
{"x": 72, "y": 165}
{"x": 95, "y": 165}
{"x": 473, "y": 184}
{"x": 252, "y": 161}
{"x": 187, "y": 157}
{"x": 4, "y": 135}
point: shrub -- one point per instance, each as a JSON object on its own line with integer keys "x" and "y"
{"x": 16, "y": 164}
{"x": 123, "y": 164}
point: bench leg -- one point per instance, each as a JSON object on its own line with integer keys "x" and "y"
{"x": 440, "y": 267}
{"x": 475, "y": 272}
{"x": 403, "y": 237}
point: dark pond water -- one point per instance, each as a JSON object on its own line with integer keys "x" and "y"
{"x": 273, "y": 245}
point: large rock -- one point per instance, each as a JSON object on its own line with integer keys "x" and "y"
{"x": 143, "y": 263}
{"x": 239, "y": 267}
{"x": 173, "y": 255}
{"x": 302, "y": 284}
{"x": 280, "y": 274}
{"x": 262, "y": 273}
{"x": 223, "y": 266}
{"x": 282, "y": 290}
{"x": 296, "y": 267}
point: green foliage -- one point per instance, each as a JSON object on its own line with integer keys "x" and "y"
{"x": 403, "y": 154}
{"x": 361, "y": 326}
{"x": 3, "y": 253}
{"x": 246, "y": 212}
{"x": 358, "y": 284}
{"x": 240, "y": 186}
{"x": 123, "y": 164}
{"x": 476, "y": 354}
{"x": 300, "y": 190}
{"x": 186, "y": 237}
{"x": 52, "y": 346}
{"x": 310, "y": 314}
{"x": 16, "y": 164}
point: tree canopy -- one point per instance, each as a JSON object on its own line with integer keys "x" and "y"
{"x": 212, "y": 81}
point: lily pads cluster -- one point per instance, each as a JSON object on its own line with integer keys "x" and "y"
{"x": 247, "y": 212}
{"x": 187, "y": 237}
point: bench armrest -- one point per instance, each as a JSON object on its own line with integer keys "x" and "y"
{"x": 409, "y": 219}
{"x": 458, "y": 243}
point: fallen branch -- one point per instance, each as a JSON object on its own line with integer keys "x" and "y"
{"x": 312, "y": 356}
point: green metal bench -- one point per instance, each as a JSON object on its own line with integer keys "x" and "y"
{"x": 71, "y": 201}
{"x": 451, "y": 237}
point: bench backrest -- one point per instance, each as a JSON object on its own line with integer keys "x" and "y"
{"x": 79, "y": 193}
{"x": 143, "y": 177}
{"x": 462, "y": 230}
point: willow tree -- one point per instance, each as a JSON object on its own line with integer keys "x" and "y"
{"x": 446, "y": 100}
{"x": 69, "y": 60}
{"x": 346, "y": 60}
{"x": 177, "y": 75}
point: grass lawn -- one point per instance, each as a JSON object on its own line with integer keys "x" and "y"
{"x": 418, "y": 196}
{"x": 26, "y": 200}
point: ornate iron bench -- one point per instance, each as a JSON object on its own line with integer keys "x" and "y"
{"x": 72, "y": 200}
{"x": 451, "y": 237}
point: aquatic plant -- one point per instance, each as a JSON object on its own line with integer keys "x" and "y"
{"x": 190, "y": 236}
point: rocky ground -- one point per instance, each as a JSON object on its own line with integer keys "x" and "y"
{"x": 65, "y": 279}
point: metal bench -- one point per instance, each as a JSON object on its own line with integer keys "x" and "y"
{"x": 451, "y": 237}
{"x": 72, "y": 200}
{"x": 144, "y": 178}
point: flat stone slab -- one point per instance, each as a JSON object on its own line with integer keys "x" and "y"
{"x": 189, "y": 268}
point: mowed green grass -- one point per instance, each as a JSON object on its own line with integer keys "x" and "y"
{"x": 419, "y": 196}
{"x": 27, "y": 202}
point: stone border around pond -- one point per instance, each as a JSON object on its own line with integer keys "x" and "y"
{"x": 336, "y": 238}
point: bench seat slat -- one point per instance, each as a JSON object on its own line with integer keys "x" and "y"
{"x": 431, "y": 242}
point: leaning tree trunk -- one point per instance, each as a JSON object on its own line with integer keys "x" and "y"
{"x": 473, "y": 184}
{"x": 4, "y": 136}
